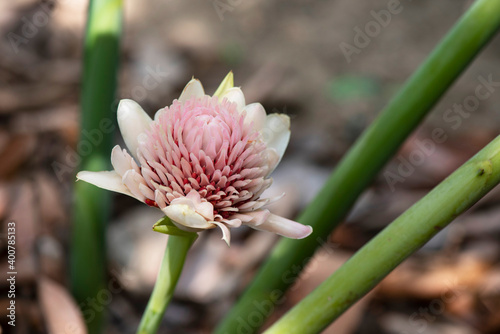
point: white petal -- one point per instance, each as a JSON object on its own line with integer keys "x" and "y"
{"x": 194, "y": 196}
{"x": 193, "y": 200}
{"x": 233, "y": 223}
{"x": 254, "y": 218}
{"x": 206, "y": 209}
{"x": 256, "y": 115}
{"x": 226, "y": 84}
{"x": 184, "y": 215}
{"x": 120, "y": 160}
{"x": 132, "y": 180}
{"x": 133, "y": 121}
{"x": 142, "y": 139}
{"x": 193, "y": 88}
{"x": 273, "y": 160}
{"x": 108, "y": 180}
{"x": 276, "y": 133}
{"x": 159, "y": 113}
{"x": 184, "y": 201}
{"x": 235, "y": 95}
{"x": 285, "y": 227}
{"x": 226, "y": 234}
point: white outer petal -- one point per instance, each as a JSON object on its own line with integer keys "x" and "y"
{"x": 133, "y": 121}
{"x": 254, "y": 218}
{"x": 158, "y": 113}
{"x": 285, "y": 227}
{"x": 193, "y": 88}
{"x": 206, "y": 209}
{"x": 276, "y": 133}
{"x": 273, "y": 160}
{"x": 121, "y": 161}
{"x": 109, "y": 180}
{"x": 226, "y": 234}
{"x": 184, "y": 215}
{"x": 132, "y": 180}
{"x": 256, "y": 114}
{"x": 235, "y": 95}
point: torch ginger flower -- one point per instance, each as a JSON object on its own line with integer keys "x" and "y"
{"x": 204, "y": 161}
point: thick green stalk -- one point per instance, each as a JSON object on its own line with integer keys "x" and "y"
{"x": 171, "y": 268}
{"x": 362, "y": 163}
{"x": 92, "y": 205}
{"x": 395, "y": 243}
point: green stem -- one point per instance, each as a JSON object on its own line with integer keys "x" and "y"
{"x": 366, "y": 158}
{"x": 171, "y": 268}
{"x": 395, "y": 243}
{"x": 92, "y": 205}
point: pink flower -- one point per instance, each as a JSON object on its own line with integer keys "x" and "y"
{"x": 204, "y": 161}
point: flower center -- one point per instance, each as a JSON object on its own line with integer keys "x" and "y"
{"x": 204, "y": 145}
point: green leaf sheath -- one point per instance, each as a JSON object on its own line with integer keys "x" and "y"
{"x": 171, "y": 268}
{"x": 91, "y": 204}
{"x": 165, "y": 226}
{"x": 395, "y": 243}
{"x": 365, "y": 159}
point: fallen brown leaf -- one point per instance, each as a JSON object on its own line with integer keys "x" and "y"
{"x": 60, "y": 311}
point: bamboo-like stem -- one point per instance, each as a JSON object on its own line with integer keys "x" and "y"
{"x": 171, "y": 268}
{"x": 366, "y": 158}
{"x": 92, "y": 205}
{"x": 395, "y": 243}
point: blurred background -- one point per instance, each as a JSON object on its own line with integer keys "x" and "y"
{"x": 313, "y": 60}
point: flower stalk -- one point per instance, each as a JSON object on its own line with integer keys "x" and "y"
{"x": 171, "y": 267}
{"x": 369, "y": 154}
{"x": 394, "y": 244}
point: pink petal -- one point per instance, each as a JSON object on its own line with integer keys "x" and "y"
{"x": 160, "y": 199}
{"x": 146, "y": 191}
